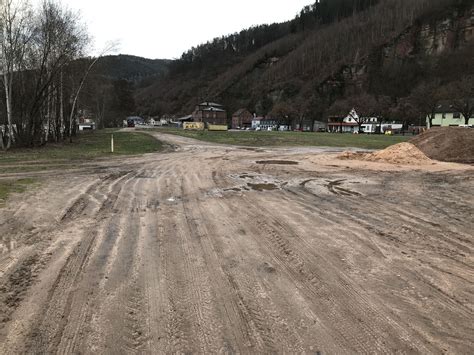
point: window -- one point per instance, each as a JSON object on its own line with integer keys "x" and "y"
{"x": 444, "y": 115}
{"x": 456, "y": 115}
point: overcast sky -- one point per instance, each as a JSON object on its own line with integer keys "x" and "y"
{"x": 167, "y": 28}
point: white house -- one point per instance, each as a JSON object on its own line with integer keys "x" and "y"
{"x": 256, "y": 122}
{"x": 346, "y": 125}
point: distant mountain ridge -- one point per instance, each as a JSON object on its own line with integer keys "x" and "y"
{"x": 354, "y": 44}
{"x": 131, "y": 68}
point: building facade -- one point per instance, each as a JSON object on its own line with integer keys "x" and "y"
{"x": 447, "y": 116}
{"x": 242, "y": 119}
{"x": 210, "y": 113}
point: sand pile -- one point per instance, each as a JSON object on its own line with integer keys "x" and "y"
{"x": 403, "y": 154}
{"x": 451, "y": 144}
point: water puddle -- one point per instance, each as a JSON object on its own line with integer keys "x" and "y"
{"x": 263, "y": 187}
{"x": 234, "y": 189}
{"x": 277, "y": 162}
{"x": 247, "y": 176}
{"x": 336, "y": 188}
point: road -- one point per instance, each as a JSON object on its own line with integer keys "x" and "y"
{"x": 213, "y": 248}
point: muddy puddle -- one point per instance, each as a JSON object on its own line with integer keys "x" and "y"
{"x": 263, "y": 187}
{"x": 277, "y": 162}
{"x": 336, "y": 188}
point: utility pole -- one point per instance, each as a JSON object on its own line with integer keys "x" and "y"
{"x": 112, "y": 143}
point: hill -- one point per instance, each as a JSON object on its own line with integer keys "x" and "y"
{"x": 332, "y": 50}
{"x": 131, "y": 68}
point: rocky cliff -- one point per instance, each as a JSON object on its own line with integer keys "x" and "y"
{"x": 429, "y": 38}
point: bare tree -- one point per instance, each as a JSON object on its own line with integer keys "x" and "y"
{"x": 427, "y": 98}
{"x": 108, "y": 48}
{"x": 461, "y": 93}
{"x": 14, "y": 36}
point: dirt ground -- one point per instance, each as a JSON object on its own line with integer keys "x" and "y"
{"x": 239, "y": 250}
{"x": 450, "y": 144}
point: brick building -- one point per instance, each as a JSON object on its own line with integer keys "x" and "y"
{"x": 242, "y": 119}
{"x": 210, "y": 112}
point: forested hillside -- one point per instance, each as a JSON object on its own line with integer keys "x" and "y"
{"x": 130, "y": 68}
{"x": 379, "y": 51}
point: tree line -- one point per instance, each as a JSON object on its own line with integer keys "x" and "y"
{"x": 40, "y": 71}
{"x": 305, "y": 63}
{"x": 227, "y": 49}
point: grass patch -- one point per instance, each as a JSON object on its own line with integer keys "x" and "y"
{"x": 87, "y": 146}
{"x": 292, "y": 139}
{"x": 8, "y": 187}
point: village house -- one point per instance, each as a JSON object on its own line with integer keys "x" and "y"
{"x": 86, "y": 124}
{"x": 268, "y": 124}
{"x": 256, "y": 121}
{"x": 305, "y": 126}
{"x": 447, "y": 116}
{"x": 346, "y": 124}
{"x": 370, "y": 125}
{"x": 210, "y": 113}
{"x": 242, "y": 119}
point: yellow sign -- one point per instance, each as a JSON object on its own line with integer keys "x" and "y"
{"x": 214, "y": 127}
{"x": 195, "y": 126}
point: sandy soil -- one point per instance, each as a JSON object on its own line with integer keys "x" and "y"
{"x": 205, "y": 250}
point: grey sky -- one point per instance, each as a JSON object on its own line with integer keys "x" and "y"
{"x": 167, "y": 28}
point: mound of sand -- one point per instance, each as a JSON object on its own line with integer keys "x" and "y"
{"x": 402, "y": 154}
{"x": 450, "y": 144}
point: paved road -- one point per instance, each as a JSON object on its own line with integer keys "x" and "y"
{"x": 222, "y": 249}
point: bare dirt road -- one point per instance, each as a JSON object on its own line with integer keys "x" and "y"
{"x": 217, "y": 249}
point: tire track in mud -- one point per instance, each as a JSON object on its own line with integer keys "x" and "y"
{"x": 189, "y": 290}
{"x": 258, "y": 332}
{"x": 393, "y": 217}
{"x": 444, "y": 299}
{"x": 271, "y": 324}
{"x": 356, "y": 325}
{"x": 108, "y": 262}
{"x": 409, "y": 229}
{"x": 33, "y": 260}
{"x": 239, "y": 334}
{"x": 48, "y": 333}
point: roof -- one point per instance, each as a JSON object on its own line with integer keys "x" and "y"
{"x": 185, "y": 118}
{"x": 214, "y": 109}
{"x": 241, "y": 112}
{"x": 447, "y": 107}
{"x": 211, "y": 104}
{"x": 349, "y": 124}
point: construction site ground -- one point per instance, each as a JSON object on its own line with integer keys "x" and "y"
{"x": 214, "y": 248}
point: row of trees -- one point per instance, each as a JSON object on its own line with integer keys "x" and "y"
{"x": 42, "y": 76}
{"x": 340, "y": 49}
{"x": 423, "y": 102}
{"x": 224, "y": 50}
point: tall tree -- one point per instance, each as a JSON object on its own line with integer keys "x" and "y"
{"x": 427, "y": 97}
{"x": 461, "y": 93}
{"x": 14, "y": 36}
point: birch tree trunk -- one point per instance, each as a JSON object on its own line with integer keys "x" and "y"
{"x": 61, "y": 106}
{"x": 7, "y": 80}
